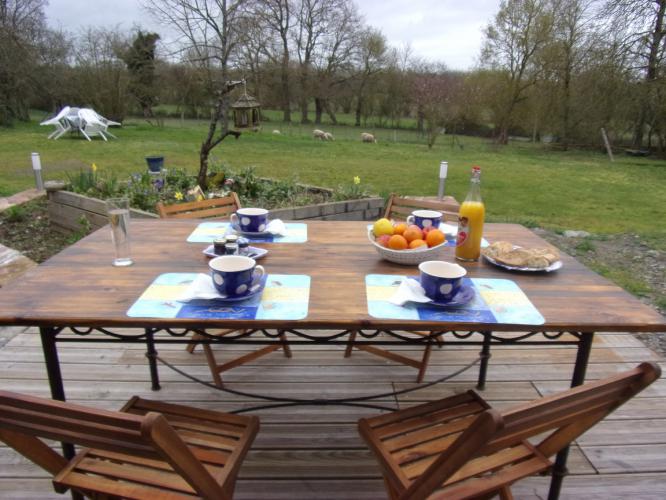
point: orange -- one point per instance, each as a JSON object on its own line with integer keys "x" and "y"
{"x": 397, "y": 242}
{"x": 435, "y": 237}
{"x": 412, "y": 233}
{"x": 400, "y": 228}
{"x": 417, "y": 243}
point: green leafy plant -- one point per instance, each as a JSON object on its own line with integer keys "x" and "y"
{"x": 351, "y": 191}
{"x": 84, "y": 181}
{"x": 84, "y": 230}
{"x": 16, "y": 213}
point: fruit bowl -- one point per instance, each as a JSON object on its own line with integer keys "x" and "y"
{"x": 406, "y": 257}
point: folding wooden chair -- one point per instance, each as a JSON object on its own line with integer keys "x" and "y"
{"x": 459, "y": 447}
{"x": 219, "y": 208}
{"x": 147, "y": 450}
{"x": 215, "y": 207}
{"x": 398, "y": 208}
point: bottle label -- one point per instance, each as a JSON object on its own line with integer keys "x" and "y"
{"x": 463, "y": 231}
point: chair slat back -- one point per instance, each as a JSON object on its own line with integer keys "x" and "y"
{"x": 216, "y": 207}
{"x": 399, "y": 208}
{"x": 569, "y": 414}
{"x": 566, "y": 415}
{"x": 24, "y": 420}
{"x": 78, "y": 425}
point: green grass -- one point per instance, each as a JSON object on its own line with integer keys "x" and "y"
{"x": 627, "y": 280}
{"x": 520, "y": 183}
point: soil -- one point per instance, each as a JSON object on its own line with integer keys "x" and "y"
{"x": 27, "y": 228}
{"x": 624, "y": 258}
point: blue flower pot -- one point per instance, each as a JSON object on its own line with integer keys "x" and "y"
{"x": 155, "y": 163}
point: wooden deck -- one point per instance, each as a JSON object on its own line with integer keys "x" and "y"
{"x": 315, "y": 452}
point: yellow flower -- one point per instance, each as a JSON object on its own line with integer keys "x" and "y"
{"x": 94, "y": 167}
{"x": 200, "y": 197}
{"x": 178, "y": 195}
{"x": 357, "y": 180}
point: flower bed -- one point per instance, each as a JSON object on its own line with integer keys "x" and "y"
{"x": 145, "y": 189}
{"x": 286, "y": 199}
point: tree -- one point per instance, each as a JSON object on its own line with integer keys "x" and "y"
{"x": 571, "y": 29}
{"x": 334, "y": 56}
{"x": 140, "y": 61}
{"x": 100, "y": 74}
{"x": 311, "y": 17}
{"x": 277, "y": 16}
{"x": 209, "y": 33}
{"x": 21, "y": 28}
{"x": 642, "y": 22}
{"x": 435, "y": 93}
{"x": 512, "y": 47}
{"x": 372, "y": 59}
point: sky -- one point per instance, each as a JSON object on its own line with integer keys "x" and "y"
{"x": 448, "y": 31}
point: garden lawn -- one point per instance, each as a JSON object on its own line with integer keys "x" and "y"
{"x": 522, "y": 182}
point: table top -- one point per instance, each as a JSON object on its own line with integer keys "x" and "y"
{"x": 80, "y": 287}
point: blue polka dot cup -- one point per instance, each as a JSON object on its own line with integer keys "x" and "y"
{"x": 425, "y": 218}
{"x": 440, "y": 280}
{"x": 250, "y": 220}
{"x": 234, "y": 275}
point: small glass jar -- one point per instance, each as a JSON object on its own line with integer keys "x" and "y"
{"x": 243, "y": 247}
{"x": 232, "y": 238}
{"x": 218, "y": 245}
{"x": 231, "y": 248}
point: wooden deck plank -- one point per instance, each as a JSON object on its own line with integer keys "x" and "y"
{"x": 315, "y": 452}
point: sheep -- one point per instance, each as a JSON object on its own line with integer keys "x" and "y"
{"x": 276, "y": 132}
{"x": 319, "y": 134}
{"x": 328, "y": 136}
{"x": 365, "y": 137}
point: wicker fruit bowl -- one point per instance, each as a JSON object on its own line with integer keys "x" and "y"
{"x": 406, "y": 257}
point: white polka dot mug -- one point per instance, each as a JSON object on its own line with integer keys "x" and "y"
{"x": 425, "y": 218}
{"x": 234, "y": 275}
{"x": 250, "y": 220}
{"x": 441, "y": 280}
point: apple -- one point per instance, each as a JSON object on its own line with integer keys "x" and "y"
{"x": 383, "y": 240}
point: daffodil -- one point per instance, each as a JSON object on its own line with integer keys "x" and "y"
{"x": 200, "y": 197}
{"x": 93, "y": 167}
{"x": 178, "y": 195}
{"x": 357, "y": 180}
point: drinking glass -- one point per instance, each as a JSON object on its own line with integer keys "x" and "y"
{"x": 119, "y": 219}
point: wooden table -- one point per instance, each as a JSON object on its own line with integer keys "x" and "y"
{"x": 78, "y": 290}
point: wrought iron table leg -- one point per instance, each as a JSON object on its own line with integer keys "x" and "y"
{"x": 485, "y": 357}
{"x": 151, "y": 354}
{"x": 48, "y": 336}
{"x": 560, "y": 466}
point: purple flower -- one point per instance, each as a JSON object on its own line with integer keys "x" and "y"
{"x": 159, "y": 184}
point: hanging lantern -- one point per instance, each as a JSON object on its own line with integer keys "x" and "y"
{"x": 246, "y": 111}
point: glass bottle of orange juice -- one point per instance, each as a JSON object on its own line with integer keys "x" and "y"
{"x": 470, "y": 221}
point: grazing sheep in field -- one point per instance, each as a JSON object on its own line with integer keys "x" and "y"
{"x": 365, "y": 137}
{"x": 328, "y": 136}
{"x": 277, "y": 132}
{"x": 319, "y": 134}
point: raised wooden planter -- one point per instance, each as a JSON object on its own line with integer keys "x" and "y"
{"x": 66, "y": 209}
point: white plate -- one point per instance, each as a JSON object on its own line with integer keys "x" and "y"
{"x": 255, "y": 252}
{"x": 553, "y": 267}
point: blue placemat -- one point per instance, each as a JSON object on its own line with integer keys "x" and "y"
{"x": 285, "y": 296}
{"x": 206, "y": 232}
{"x": 496, "y": 301}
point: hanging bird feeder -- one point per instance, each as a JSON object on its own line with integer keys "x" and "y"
{"x": 246, "y": 111}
